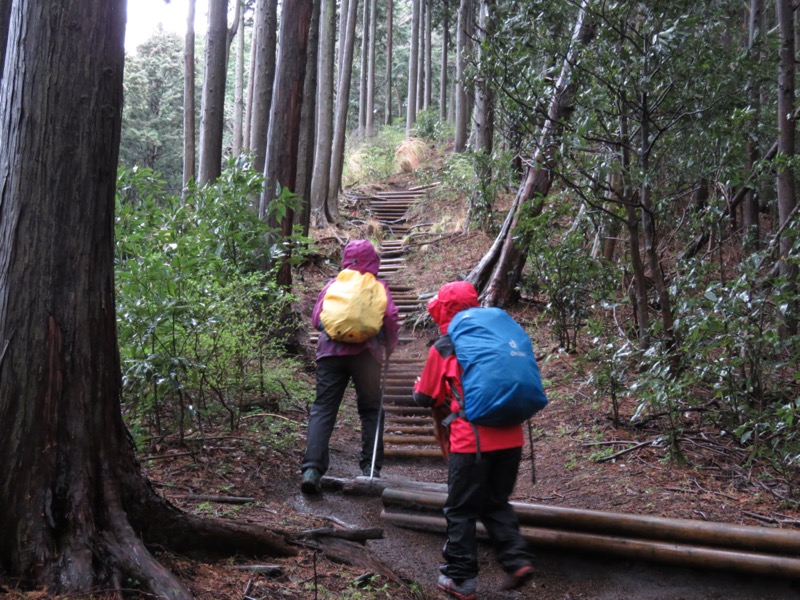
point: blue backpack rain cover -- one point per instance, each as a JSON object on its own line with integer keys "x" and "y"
{"x": 501, "y": 381}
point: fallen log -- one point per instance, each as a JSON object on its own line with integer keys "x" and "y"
{"x": 636, "y": 549}
{"x": 704, "y": 533}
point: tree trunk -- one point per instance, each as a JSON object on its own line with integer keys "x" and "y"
{"x": 750, "y": 211}
{"x": 280, "y": 168}
{"x": 5, "y": 19}
{"x": 342, "y": 105}
{"x": 443, "y": 84}
{"x": 370, "y": 99}
{"x": 506, "y": 258}
{"x": 324, "y": 129}
{"x": 413, "y": 65}
{"x": 212, "y": 111}
{"x": 248, "y": 107}
{"x": 463, "y": 36}
{"x": 389, "y": 41}
{"x": 189, "y": 110}
{"x": 263, "y": 78}
{"x": 362, "y": 89}
{"x": 786, "y": 151}
{"x": 238, "y": 101}
{"x": 308, "y": 120}
{"x": 74, "y": 499}
{"x": 426, "y": 99}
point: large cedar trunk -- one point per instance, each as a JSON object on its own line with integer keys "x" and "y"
{"x": 280, "y": 168}
{"x": 74, "y": 499}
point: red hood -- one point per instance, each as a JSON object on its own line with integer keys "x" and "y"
{"x": 452, "y": 299}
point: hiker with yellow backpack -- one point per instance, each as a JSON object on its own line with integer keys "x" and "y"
{"x": 358, "y": 323}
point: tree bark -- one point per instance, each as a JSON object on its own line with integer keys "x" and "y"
{"x": 426, "y": 98}
{"x": 786, "y": 151}
{"x": 212, "y": 111}
{"x": 389, "y": 57}
{"x": 362, "y": 88}
{"x": 342, "y": 105}
{"x": 189, "y": 109}
{"x": 280, "y": 168}
{"x": 238, "y": 100}
{"x": 71, "y": 490}
{"x": 506, "y": 259}
{"x": 750, "y": 213}
{"x": 324, "y": 134}
{"x": 443, "y": 83}
{"x": 308, "y": 121}
{"x": 263, "y": 78}
{"x": 413, "y": 65}
{"x": 463, "y": 36}
{"x": 370, "y": 99}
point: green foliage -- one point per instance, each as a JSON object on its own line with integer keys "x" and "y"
{"x": 430, "y": 128}
{"x": 152, "y": 124}
{"x": 373, "y": 158}
{"x": 561, "y": 268}
{"x": 200, "y": 322}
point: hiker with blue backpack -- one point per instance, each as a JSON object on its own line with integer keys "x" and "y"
{"x": 358, "y": 323}
{"x": 482, "y": 372}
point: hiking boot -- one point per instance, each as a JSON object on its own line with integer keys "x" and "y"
{"x": 311, "y": 482}
{"x": 517, "y": 578}
{"x": 464, "y": 590}
{"x": 375, "y": 474}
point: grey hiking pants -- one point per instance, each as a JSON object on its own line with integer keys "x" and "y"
{"x": 334, "y": 374}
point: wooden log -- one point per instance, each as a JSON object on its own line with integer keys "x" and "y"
{"x": 636, "y": 549}
{"x": 751, "y": 538}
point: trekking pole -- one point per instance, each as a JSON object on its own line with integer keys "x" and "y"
{"x": 533, "y": 455}
{"x": 378, "y": 425}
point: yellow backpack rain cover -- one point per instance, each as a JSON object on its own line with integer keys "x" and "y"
{"x": 353, "y": 307}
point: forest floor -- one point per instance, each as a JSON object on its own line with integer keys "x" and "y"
{"x": 575, "y": 438}
{"x": 573, "y": 465}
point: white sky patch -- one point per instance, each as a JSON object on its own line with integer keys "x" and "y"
{"x": 145, "y": 15}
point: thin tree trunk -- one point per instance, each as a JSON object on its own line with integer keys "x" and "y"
{"x": 248, "y": 112}
{"x": 443, "y": 84}
{"x": 263, "y": 78}
{"x": 189, "y": 109}
{"x": 786, "y": 151}
{"x": 370, "y": 100}
{"x": 462, "y": 101}
{"x": 413, "y": 65}
{"x": 238, "y": 102}
{"x": 389, "y": 41}
{"x": 324, "y": 129}
{"x": 212, "y": 112}
{"x": 426, "y": 102}
{"x": 342, "y": 106}
{"x": 423, "y": 7}
{"x": 362, "y": 90}
{"x": 750, "y": 211}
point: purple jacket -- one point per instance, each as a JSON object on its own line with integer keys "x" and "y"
{"x": 361, "y": 256}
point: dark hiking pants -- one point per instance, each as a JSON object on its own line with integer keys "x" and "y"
{"x": 334, "y": 373}
{"x": 480, "y": 490}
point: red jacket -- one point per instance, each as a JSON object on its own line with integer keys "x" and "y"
{"x": 441, "y": 368}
